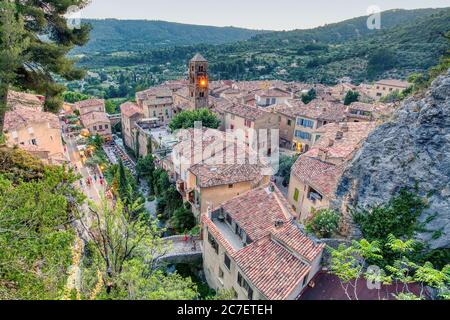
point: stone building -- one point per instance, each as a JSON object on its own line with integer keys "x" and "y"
{"x": 253, "y": 247}
{"x": 32, "y": 129}
{"x": 385, "y": 87}
{"x": 315, "y": 175}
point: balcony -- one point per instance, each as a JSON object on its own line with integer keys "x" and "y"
{"x": 226, "y": 231}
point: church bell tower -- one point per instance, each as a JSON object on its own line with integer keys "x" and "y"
{"x": 198, "y": 82}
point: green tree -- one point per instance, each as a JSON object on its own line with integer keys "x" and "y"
{"x": 124, "y": 185}
{"x": 309, "y": 96}
{"x": 145, "y": 167}
{"x": 286, "y": 163}
{"x": 324, "y": 223}
{"x": 37, "y": 206}
{"x": 350, "y": 97}
{"x": 35, "y": 39}
{"x": 13, "y": 43}
{"x": 72, "y": 97}
{"x": 182, "y": 219}
{"x": 187, "y": 119}
{"x": 397, "y": 217}
{"x": 126, "y": 251}
{"x": 379, "y": 61}
{"x": 356, "y": 262}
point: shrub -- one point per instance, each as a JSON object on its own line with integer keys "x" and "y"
{"x": 324, "y": 223}
{"x": 397, "y": 217}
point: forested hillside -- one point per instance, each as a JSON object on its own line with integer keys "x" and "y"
{"x": 112, "y": 35}
{"x": 409, "y": 41}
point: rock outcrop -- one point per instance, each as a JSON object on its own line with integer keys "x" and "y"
{"x": 413, "y": 148}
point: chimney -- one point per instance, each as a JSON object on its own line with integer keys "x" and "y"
{"x": 323, "y": 154}
{"x": 339, "y": 135}
{"x": 279, "y": 223}
{"x": 271, "y": 187}
{"x": 344, "y": 127}
{"x": 330, "y": 142}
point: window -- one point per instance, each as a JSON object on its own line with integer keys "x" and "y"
{"x": 267, "y": 101}
{"x": 229, "y": 219}
{"x": 95, "y": 127}
{"x": 106, "y": 126}
{"x": 230, "y": 186}
{"x": 14, "y": 135}
{"x": 317, "y": 137}
{"x": 248, "y": 123}
{"x": 274, "y": 100}
{"x": 238, "y": 231}
{"x": 34, "y": 142}
{"x": 232, "y": 127}
{"x": 100, "y": 127}
{"x": 314, "y": 195}
{"x": 244, "y": 284}
{"x": 302, "y": 135}
{"x": 296, "y": 194}
{"x": 289, "y": 123}
{"x": 305, "y": 123}
{"x": 227, "y": 261}
{"x": 213, "y": 243}
{"x": 250, "y": 294}
{"x": 202, "y": 94}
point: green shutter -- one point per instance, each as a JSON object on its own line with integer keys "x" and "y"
{"x": 296, "y": 194}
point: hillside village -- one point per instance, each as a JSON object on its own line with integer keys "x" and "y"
{"x": 252, "y": 237}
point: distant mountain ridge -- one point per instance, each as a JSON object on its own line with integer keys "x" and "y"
{"x": 112, "y": 35}
{"x": 408, "y": 41}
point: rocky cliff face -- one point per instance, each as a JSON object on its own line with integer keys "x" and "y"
{"x": 414, "y": 147}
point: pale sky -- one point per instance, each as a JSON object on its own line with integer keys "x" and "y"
{"x": 254, "y": 14}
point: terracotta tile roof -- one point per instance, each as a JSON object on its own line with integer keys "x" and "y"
{"x": 278, "y": 258}
{"x": 224, "y": 174}
{"x": 271, "y": 268}
{"x": 247, "y": 112}
{"x": 341, "y": 140}
{"x": 290, "y": 110}
{"x": 24, "y": 99}
{"x": 159, "y": 91}
{"x": 92, "y": 118}
{"x": 393, "y": 83}
{"x": 257, "y": 211}
{"x": 319, "y": 110}
{"x": 292, "y": 237}
{"x": 362, "y": 106}
{"x": 90, "y": 103}
{"x": 129, "y": 109}
{"x": 320, "y": 175}
{"x": 198, "y": 58}
{"x": 273, "y": 92}
{"x": 22, "y": 117}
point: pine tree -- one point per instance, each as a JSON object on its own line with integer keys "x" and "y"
{"x": 12, "y": 46}
{"x": 34, "y": 41}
